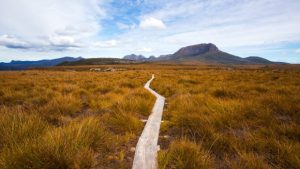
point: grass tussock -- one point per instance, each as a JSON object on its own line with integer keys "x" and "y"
{"x": 72, "y": 146}
{"x": 239, "y": 118}
{"x": 56, "y": 119}
{"x": 184, "y": 155}
{"x": 17, "y": 127}
{"x": 242, "y": 117}
{"x": 123, "y": 123}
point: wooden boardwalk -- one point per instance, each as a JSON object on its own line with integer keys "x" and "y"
{"x": 146, "y": 149}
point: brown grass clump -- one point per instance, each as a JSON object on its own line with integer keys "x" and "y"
{"x": 72, "y": 146}
{"x": 17, "y": 127}
{"x": 56, "y": 119}
{"x": 242, "y": 118}
{"x": 184, "y": 155}
{"x": 215, "y": 116}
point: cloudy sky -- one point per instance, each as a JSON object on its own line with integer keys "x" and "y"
{"x": 44, "y": 29}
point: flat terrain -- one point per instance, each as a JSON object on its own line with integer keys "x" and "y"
{"x": 56, "y": 119}
{"x": 90, "y": 116}
{"x": 230, "y": 118}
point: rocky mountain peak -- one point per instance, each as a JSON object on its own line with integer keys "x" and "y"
{"x": 197, "y": 49}
{"x": 134, "y": 57}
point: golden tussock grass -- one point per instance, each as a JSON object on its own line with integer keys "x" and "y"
{"x": 56, "y": 119}
{"x": 240, "y": 118}
{"x": 216, "y": 117}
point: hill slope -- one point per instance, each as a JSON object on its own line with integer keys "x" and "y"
{"x": 209, "y": 53}
{"x": 97, "y": 61}
{"x": 21, "y": 65}
{"x": 205, "y": 53}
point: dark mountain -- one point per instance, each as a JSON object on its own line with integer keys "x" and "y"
{"x": 258, "y": 59}
{"x": 139, "y": 58}
{"x": 21, "y": 65}
{"x": 210, "y": 54}
{"x": 165, "y": 57}
{"x": 98, "y": 61}
{"x": 135, "y": 57}
{"x": 151, "y": 58}
{"x": 195, "y": 50}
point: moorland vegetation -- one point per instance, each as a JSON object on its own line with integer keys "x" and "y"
{"x": 230, "y": 118}
{"x": 215, "y": 116}
{"x": 56, "y": 119}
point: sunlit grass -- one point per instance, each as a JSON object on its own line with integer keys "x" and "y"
{"x": 244, "y": 117}
{"x": 239, "y": 118}
{"x": 52, "y": 119}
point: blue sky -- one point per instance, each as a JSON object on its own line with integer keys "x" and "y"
{"x": 35, "y": 29}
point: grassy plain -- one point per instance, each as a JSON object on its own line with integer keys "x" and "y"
{"x": 57, "y": 119}
{"x": 215, "y": 117}
{"x": 230, "y": 118}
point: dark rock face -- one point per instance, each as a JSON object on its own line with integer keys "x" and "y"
{"x": 197, "y": 50}
{"x": 134, "y": 57}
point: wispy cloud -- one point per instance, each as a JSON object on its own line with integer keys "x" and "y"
{"x": 106, "y": 44}
{"x": 50, "y": 22}
{"x": 119, "y": 27}
{"x": 13, "y": 42}
{"x": 145, "y": 49}
{"x": 55, "y": 43}
{"x": 152, "y": 23}
{"x": 231, "y": 24}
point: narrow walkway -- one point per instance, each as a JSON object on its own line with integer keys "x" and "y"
{"x": 146, "y": 149}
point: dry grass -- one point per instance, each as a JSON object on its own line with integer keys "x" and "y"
{"x": 240, "y": 118}
{"x": 216, "y": 117}
{"x": 184, "y": 155}
{"x": 51, "y": 119}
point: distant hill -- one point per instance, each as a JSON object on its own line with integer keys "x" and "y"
{"x": 209, "y": 53}
{"x": 139, "y": 57}
{"x": 97, "y": 61}
{"x": 135, "y": 57}
{"x": 205, "y": 53}
{"x": 258, "y": 59}
{"x": 195, "y": 50}
{"x": 22, "y": 65}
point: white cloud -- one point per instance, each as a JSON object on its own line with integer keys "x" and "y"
{"x": 145, "y": 49}
{"x": 106, "y": 44}
{"x": 62, "y": 41}
{"x": 13, "y": 42}
{"x": 152, "y": 23}
{"x": 236, "y": 24}
{"x": 233, "y": 25}
{"x": 297, "y": 51}
{"x": 53, "y": 22}
{"x": 59, "y": 43}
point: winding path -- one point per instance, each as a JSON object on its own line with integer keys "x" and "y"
{"x": 146, "y": 149}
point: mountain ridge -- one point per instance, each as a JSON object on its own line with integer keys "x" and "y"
{"x": 209, "y": 53}
{"x": 22, "y": 65}
{"x": 206, "y": 53}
